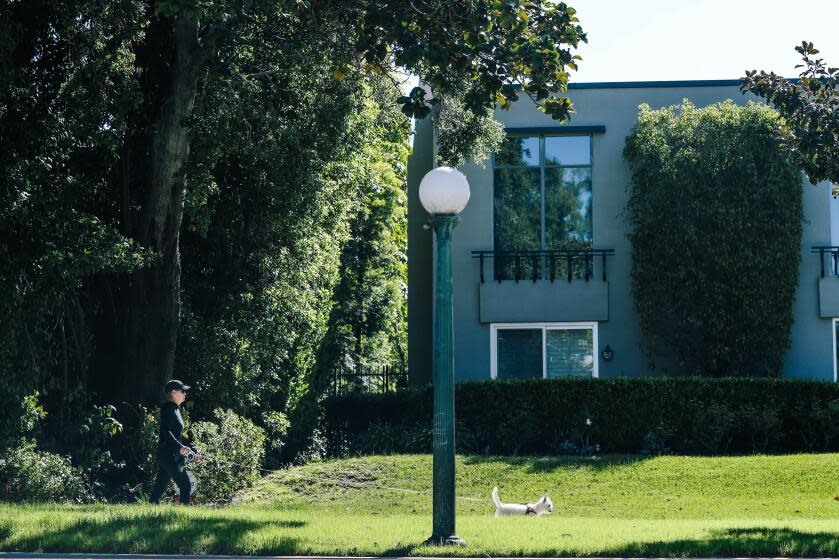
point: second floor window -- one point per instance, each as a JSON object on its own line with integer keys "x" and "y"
{"x": 543, "y": 199}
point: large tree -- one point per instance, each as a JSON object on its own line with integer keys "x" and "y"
{"x": 810, "y": 107}
{"x": 101, "y": 98}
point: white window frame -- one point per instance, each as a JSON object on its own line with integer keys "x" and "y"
{"x": 493, "y": 342}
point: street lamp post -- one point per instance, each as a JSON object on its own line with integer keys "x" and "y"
{"x": 444, "y": 193}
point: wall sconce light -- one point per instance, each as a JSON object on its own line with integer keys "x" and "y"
{"x": 608, "y": 353}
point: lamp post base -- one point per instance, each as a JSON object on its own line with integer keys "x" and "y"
{"x": 453, "y": 540}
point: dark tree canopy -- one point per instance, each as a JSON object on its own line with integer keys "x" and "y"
{"x": 213, "y": 190}
{"x": 810, "y": 107}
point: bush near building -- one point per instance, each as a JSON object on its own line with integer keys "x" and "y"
{"x": 715, "y": 214}
{"x": 695, "y": 415}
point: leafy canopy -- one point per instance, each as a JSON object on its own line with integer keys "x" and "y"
{"x": 810, "y": 107}
{"x": 495, "y": 45}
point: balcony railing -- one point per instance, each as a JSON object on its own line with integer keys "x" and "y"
{"x": 547, "y": 265}
{"x": 833, "y": 252}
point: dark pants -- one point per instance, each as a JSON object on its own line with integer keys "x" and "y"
{"x": 170, "y": 470}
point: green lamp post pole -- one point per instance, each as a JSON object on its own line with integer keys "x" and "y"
{"x": 444, "y": 192}
{"x": 444, "y": 493}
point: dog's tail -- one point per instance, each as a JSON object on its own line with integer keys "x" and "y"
{"x": 495, "y": 497}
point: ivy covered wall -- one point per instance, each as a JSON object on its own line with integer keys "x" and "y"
{"x": 715, "y": 223}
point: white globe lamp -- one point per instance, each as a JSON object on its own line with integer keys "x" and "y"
{"x": 444, "y": 190}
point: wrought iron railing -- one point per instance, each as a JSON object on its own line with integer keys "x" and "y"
{"x": 833, "y": 252}
{"x": 382, "y": 379}
{"x": 543, "y": 265}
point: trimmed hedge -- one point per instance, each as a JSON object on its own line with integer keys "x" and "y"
{"x": 651, "y": 414}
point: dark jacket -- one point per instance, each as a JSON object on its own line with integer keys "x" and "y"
{"x": 171, "y": 430}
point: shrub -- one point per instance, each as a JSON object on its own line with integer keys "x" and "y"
{"x": 817, "y": 423}
{"x": 386, "y": 438}
{"x": 763, "y": 424}
{"x": 93, "y": 454}
{"x": 28, "y": 474}
{"x": 649, "y": 414}
{"x": 234, "y": 449}
{"x": 715, "y": 213}
{"x": 379, "y": 437}
{"x": 658, "y": 440}
{"x": 138, "y": 448}
{"x": 714, "y": 426}
{"x": 519, "y": 431}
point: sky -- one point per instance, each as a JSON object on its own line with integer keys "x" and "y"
{"x": 638, "y": 40}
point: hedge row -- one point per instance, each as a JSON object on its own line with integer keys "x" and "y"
{"x": 653, "y": 415}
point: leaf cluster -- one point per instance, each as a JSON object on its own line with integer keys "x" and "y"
{"x": 810, "y": 109}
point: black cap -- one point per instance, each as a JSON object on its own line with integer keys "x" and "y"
{"x": 175, "y": 384}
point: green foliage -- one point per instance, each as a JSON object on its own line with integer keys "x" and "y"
{"x": 215, "y": 170}
{"x": 810, "y": 109}
{"x": 93, "y": 453}
{"x": 463, "y": 134}
{"x": 266, "y": 221}
{"x": 33, "y": 412}
{"x": 715, "y": 214}
{"x": 140, "y": 450}
{"x": 383, "y": 437}
{"x": 67, "y": 80}
{"x": 651, "y": 415}
{"x": 28, "y": 474}
{"x": 492, "y": 45}
{"x": 368, "y": 318}
{"x": 714, "y": 426}
{"x": 234, "y": 448}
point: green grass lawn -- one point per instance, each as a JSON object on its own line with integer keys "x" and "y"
{"x": 611, "y": 506}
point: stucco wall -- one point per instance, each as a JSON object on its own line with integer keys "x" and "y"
{"x": 811, "y": 354}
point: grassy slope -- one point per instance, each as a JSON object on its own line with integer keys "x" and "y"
{"x": 665, "y": 506}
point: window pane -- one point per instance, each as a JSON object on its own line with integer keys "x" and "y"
{"x": 568, "y": 208}
{"x": 567, "y": 150}
{"x": 519, "y": 150}
{"x": 570, "y": 353}
{"x": 519, "y": 353}
{"x": 518, "y": 218}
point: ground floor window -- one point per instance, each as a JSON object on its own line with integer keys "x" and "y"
{"x": 548, "y": 350}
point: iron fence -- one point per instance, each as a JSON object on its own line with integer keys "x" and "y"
{"x": 381, "y": 379}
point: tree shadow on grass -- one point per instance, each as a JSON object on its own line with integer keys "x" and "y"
{"x": 170, "y": 532}
{"x": 734, "y": 542}
{"x": 546, "y": 464}
{"x": 749, "y": 541}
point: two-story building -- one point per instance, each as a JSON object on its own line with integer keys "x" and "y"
{"x": 545, "y": 312}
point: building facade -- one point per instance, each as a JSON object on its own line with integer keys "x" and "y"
{"x": 550, "y": 313}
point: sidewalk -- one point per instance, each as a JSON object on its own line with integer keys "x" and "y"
{"x": 81, "y": 556}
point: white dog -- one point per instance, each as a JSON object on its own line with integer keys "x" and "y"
{"x": 544, "y": 505}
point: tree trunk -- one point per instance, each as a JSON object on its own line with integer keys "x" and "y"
{"x": 150, "y": 326}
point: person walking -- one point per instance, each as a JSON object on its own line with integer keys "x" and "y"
{"x": 171, "y": 451}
